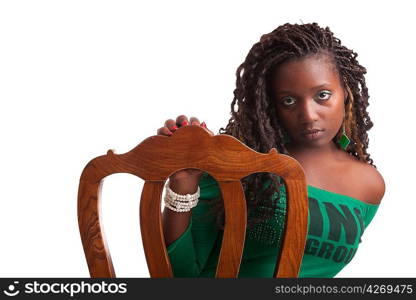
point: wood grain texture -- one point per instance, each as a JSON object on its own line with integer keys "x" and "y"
{"x": 223, "y": 157}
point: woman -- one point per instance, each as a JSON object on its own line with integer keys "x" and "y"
{"x": 300, "y": 91}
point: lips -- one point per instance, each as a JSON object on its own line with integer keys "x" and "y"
{"x": 312, "y": 134}
{"x": 310, "y": 131}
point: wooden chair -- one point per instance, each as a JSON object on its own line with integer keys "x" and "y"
{"x": 223, "y": 157}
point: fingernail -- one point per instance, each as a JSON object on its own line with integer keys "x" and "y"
{"x": 170, "y": 133}
{"x": 174, "y": 128}
{"x": 204, "y": 125}
{"x": 184, "y": 123}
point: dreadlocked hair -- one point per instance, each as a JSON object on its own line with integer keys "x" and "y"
{"x": 255, "y": 123}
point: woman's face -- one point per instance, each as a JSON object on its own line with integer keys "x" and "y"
{"x": 309, "y": 100}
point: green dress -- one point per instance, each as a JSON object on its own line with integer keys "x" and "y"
{"x": 335, "y": 225}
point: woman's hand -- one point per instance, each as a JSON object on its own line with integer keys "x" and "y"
{"x": 186, "y": 177}
{"x": 182, "y": 182}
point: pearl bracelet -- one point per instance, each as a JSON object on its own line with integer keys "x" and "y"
{"x": 180, "y": 203}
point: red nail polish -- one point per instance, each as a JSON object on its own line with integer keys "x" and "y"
{"x": 174, "y": 128}
{"x": 204, "y": 125}
{"x": 185, "y": 123}
{"x": 170, "y": 133}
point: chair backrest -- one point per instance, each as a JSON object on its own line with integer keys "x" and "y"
{"x": 227, "y": 160}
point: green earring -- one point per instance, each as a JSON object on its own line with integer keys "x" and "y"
{"x": 344, "y": 141}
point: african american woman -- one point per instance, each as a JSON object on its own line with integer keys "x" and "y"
{"x": 302, "y": 92}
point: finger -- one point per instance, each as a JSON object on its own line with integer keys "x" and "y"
{"x": 203, "y": 125}
{"x": 194, "y": 121}
{"x": 164, "y": 131}
{"x": 171, "y": 125}
{"x": 182, "y": 120}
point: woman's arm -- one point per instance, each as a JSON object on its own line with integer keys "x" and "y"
{"x": 190, "y": 237}
{"x": 175, "y": 223}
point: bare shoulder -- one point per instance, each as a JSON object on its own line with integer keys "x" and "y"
{"x": 371, "y": 182}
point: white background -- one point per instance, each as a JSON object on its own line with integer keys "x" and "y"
{"x": 80, "y": 77}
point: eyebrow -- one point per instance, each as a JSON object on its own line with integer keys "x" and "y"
{"x": 313, "y": 88}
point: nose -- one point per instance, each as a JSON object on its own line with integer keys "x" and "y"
{"x": 308, "y": 112}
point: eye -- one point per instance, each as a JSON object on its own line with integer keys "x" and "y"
{"x": 287, "y": 101}
{"x": 324, "y": 95}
